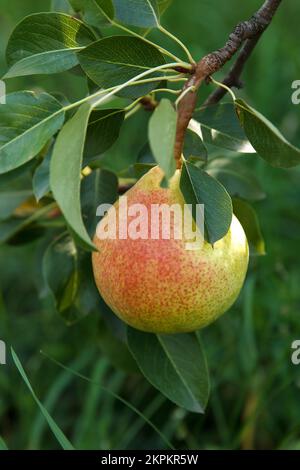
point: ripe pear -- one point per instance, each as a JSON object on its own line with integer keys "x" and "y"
{"x": 160, "y": 286}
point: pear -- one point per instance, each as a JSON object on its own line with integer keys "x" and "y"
{"x": 157, "y": 284}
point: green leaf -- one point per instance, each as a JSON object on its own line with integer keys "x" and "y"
{"x": 19, "y": 178}
{"x": 87, "y": 300}
{"x": 117, "y": 327}
{"x": 220, "y": 126}
{"x": 115, "y": 349}
{"x": 145, "y": 161}
{"x": 142, "y": 13}
{"x": 27, "y": 122}
{"x": 61, "y": 6}
{"x": 175, "y": 365}
{"x": 97, "y": 13}
{"x": 61, "y": 438}
{"x": 194, "y": 147}
{"x": 68, "y": 279}
{"x": 65, "y": 171}
{"x": 103, "y": 130}
{"x": 162, "y": 134}
{"x": 237, "y": 179}
{"x": 46, "y": 43}
{"x": 249, "y": 220}
{"x": 10, "y": 200}
{"x": 145, "y": 155}
{"x": 198, "y": 187}
{"x": 41, "y": 178}
{"x": 268, "y": 142}
{"x": 115, "y": 60}
{"x": 3, "y": 446}
{"x": 100, "y": 187}
{"x": 140, "y": 169}
{"x": 60, "y": 271}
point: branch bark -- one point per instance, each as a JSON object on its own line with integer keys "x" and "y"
{"x": 249, "y": 31}
{"x": 233, "y": 78}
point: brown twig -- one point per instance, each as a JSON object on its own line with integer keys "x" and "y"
{"x": 233, "y": 79}
{"x": 184, "y": 70}
{"x": 249, "y": 31}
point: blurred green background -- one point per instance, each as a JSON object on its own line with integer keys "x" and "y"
{"x": 255, "y": 387}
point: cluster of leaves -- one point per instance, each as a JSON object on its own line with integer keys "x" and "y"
{"x": 52, "y": 174}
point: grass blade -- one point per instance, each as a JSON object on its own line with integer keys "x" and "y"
{"x": 51, "y": 398}
{"x": 61, "y": 438}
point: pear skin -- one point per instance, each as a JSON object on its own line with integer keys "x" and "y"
{"x": 158, "y": 285}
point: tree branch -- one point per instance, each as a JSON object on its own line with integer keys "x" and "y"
{"x": 233, "y": 78}
{"x": 249, "y": 31}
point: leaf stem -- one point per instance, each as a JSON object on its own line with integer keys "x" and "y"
{"x": 176, "y": 39}
{"x": 166, "y": 90}
{"x": 136, "y": 105}
{"x": 133, "y": 104}
{"x": 222, "y": 85}
{"x": 133, "y": 33}
{"x": 175, "y": 79}
{"x": 156, "y": 79}
{"x": 157, "y": 90}
{"x": 132, "y": 81}
{"x": 185, "y": 92}
{"x": 161, "y": 49}
{"x": 132, "y": 111}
